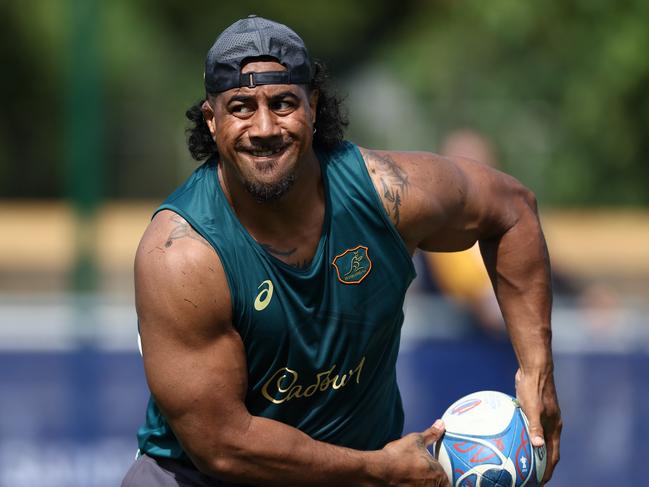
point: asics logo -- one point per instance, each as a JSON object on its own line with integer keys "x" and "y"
{"x": 265, "y": 295}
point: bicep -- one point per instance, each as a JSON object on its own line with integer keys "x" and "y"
{"x": 200, "y": 388}
{"x": 194, "y": 359}
{"x": 449, "y": 204}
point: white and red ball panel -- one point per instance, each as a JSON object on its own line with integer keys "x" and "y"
{"x": 480, "y": 414}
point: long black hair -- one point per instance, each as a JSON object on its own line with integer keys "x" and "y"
{"x": 330, "y": 124}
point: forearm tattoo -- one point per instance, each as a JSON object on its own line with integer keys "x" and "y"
{"x": 393, "y": 181}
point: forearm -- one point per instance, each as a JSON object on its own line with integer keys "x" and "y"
{"x": 519, "y": 268}
{"x": 269, "y": 452}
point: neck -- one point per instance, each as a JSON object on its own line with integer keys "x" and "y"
{"x": 294, "y": 215}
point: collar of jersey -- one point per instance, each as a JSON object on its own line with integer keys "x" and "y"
{"x": 326, "y": 224}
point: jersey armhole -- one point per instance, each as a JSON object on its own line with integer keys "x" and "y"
{"x": 381, "y": 209}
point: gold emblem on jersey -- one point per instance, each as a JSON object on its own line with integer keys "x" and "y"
{"x": 263, "y": 298}
{"x": 283, "y": 384}
{"x": 353, "y": 265}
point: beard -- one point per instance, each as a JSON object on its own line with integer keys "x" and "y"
{"x": 265, "y": 192}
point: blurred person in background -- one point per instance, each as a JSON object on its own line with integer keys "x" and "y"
{"x": 269, "y": 286}
{"x": 462, "y": 276}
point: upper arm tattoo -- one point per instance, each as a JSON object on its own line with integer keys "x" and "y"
{"x": 183, "y": 229}
{"x": 393, "y": 180}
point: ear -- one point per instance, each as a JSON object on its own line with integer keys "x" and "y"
{"x": 313, "y": 103}
{"x": 208, "y": 115}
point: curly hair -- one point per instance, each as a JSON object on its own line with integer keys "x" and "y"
{"x": 330, "y": 124}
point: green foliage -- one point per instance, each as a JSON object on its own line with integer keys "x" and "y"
{"x": 560, "y": 86}
{"x": 151, "y": 56}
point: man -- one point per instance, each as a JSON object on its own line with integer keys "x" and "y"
{"x": 269, "y": 286}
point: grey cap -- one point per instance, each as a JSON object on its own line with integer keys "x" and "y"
{"x": 250, "y": 38}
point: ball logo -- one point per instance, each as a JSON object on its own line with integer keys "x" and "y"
{"x": 465, "y": 406}
{"x": 540, "y": 452}
{"x": 522, "y": 454}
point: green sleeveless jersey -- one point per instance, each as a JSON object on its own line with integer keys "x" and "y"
{"x": 321, "y": 342}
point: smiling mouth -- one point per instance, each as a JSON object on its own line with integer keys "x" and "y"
{"x": 265, "y": 152}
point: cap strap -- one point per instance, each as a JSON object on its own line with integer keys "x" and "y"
{"x": 252, "y": 79}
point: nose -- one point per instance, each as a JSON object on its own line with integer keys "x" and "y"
{"x": 264, "y": 124}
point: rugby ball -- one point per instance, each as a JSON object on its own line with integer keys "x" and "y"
{"x": 487, "y": 443}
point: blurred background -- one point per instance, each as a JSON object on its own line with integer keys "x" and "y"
{"x": 92, "y": 139}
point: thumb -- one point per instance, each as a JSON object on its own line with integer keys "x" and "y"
{"x": 434, "y": 433}
{"x": 536, "y": 431}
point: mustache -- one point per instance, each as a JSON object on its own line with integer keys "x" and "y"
{"x": 269, "y": 145}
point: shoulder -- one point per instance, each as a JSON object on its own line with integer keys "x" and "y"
{"x": 411, "y": 184}
{"x": 429, "y": 196}
{"x": 412, "y": 171}
{"x": 170, "y": 240}
{"x": 178, "y": 273}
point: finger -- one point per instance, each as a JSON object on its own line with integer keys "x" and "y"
{"x": 536, "y": 433}
{"x": 434, "y": 433}
{"x": 553, "y": 453}
{"x": 551, "y": 462}
{"x": 536, "y": 429}
{"x": 532, "y": 407}
{"x": 444, "y": 481}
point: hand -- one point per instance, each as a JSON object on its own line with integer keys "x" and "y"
{"x": 410, "y": 463}
{"x": 538, "y": 398}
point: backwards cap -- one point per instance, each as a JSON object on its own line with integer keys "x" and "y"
{"x": 254, "y": 37}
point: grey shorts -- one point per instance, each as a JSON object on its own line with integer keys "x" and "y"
{"x": 163, "y": 472}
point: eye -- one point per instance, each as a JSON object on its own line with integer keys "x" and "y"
{"x": 240, "y": 108}
{"x": 284, "y": 105}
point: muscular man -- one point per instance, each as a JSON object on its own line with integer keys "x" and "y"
{"x": 269, "y": 286}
